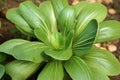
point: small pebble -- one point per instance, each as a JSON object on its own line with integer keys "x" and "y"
{"x": 112, "y": 48}
{"x": 112, "y": 11}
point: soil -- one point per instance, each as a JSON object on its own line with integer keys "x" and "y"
{"x": 8, "y": 30}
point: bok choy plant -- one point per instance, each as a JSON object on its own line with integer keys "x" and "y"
{"x": 66, "y": 36}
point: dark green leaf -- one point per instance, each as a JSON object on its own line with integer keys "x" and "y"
{"x": 92, "y": 11}
{"x": 78, "y": 69}
{"x": 52, "y": 71}
{"x": 108, "y": 30}
{"x": 58, "y": 6}
{"x": 2, "y": 71}
{"x": 59, "y": 54}
{"x": 8, "y": 46}
{"x": 31, "y": 51}
{"x": 103, "y": 60}
{"x": 2, "y": 57}
{"x": 85, "y": 40}
{"x": 14, "y": 16}
{"x": 21, "y": 70}
{"x": 69, "y": 39}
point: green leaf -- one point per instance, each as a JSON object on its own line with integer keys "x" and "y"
{"x": 2, "y": 57}
{"x": 58, "y": 6}
{"x": 69, "y": 39}
{"x": 66, "y": 20}
{"x": 21, "y": 70}
{"x": 47, "y": 9}
{"x": 103, "y": 60}
{"x": 59, "y": 54}
{"x": 78, "y": 69}
{"x": 14, "y": 16}
{"x": 35, "y": 18}
{"x": 52, "y": 71}
{"x": 92, "y": 11}
{"x": 43, "y": 35}
{"x": 78, "y": 7}
{"x": 67, "y": 23}
{"x": 8, "y": 46}
{"x": 31, "y": 51}
{"x": 98, "y": 75}
{"x": 108, "y": 30}
{"x": 85, "y": 40}
{"x": 2, "y": 71}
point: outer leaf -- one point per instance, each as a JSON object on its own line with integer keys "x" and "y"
{"x": 103, "y": 60}
{"x": 31, "y": 51}
{"x": 98, "y": 75}
{"x": 14, "y": 16}
{"x": 59, "y": 54}
{"x": 7, "y": 46}
{"x": 21, "y": 70}
{"x": 35, "y": 18}
{"x": 109, "y": 30}
{"x": 52, "y": 71}
{"x": 2, "y": 71}
{"x": 85, "y": 40}
{"x": 47, "y": 9}
{"x": 78, "y": 7}
{"x": 58, "y": 6}
{"x": 78, "y": 69}
{"x": 91, "y": 11}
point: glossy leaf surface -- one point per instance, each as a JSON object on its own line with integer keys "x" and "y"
{"x": 52, "y": 71}
{"x": 14, "y": 16}
{"x": 103, "y": 60}
{"x": 78, "y": 69}
{"x": 35, "y": 18}
{"x": 58, "y": 6}
{"x": 21, "y": 70}
{"x": 47, "y": 9}
{"x": 79, "y": 6}
{"x": 10, "y": 44}
{"x": 97, "y": 74}
{"x": 59, "y": 54}
{"x": 85, "y": 40}
{"x": 31, "y": 51}
{"x": 108, "y": 30}
{"x": 67, "y": 20}
{"x": 91, "y": 11}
